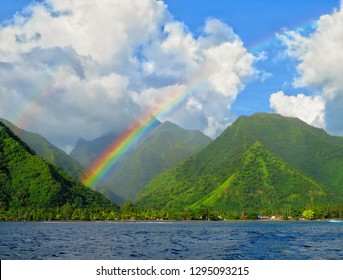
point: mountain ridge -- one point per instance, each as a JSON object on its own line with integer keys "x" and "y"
{"x": 165, "y": 145}
{"x": 28, "y": 184}
{"x": 48, "y": 151}
{"x": 311, "y": 151}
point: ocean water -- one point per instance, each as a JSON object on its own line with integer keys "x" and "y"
{"x": 172, "y": 240}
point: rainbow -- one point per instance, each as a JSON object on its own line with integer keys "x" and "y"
{"x": 272, "y": 40}
{"x": 145, "y": 123}
{"x": 105, "y": 162}
{"x": 27, "y": 109}
{"x": 36, "y": 96}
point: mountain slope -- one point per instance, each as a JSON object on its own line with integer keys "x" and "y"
{"x": 166, "y": 145}
{"x": 86, "y": 152}
{"x": 317, "y": 156}
{"x": 264, "y": 181}
{"x": 307, "y": 148}
{"x": 27, "y": 182}
{"x": 48, "y": 152}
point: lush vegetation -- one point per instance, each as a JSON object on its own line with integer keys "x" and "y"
{"x": 48, "y": 152}
{"x": 261, "y": 164}
{"x": 264, "y": 183}
{"x": 31, "y": 187}
{"x": 166, "y": 145}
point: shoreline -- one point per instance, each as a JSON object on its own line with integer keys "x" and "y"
{"x": 177, "y": 221}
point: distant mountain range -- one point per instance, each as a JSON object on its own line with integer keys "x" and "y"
{"x": 28, "y": 184}
{"x": 166, "y": 145}
{"x": 265, "y": 163}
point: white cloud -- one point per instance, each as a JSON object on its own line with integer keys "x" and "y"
{"x": 216, "y": 33}
{"x": 229, "y": 64}
{"x": 193, "y": 104}
{"x": 213, "y": 126}
{"x": 320, "y": 65}
{"x": 213, "y": 67}
{"x": 307, "y": 108}
{"x": 173, "y": 55}
{"x": 81, "y": 69}
{"x": 56, "y": 101}
{"x": 101, "y": 30}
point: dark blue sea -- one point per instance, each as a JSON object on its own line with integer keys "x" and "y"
{"x": 171, "y": 240}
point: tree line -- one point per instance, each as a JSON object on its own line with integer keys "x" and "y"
{"x": 68, "y": 212}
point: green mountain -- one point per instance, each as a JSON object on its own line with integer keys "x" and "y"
{"x": 85, "y": 152}
{"x": 261, "y": 162}
{"x": 166, "y": 145}
{"x": 48, "y": 152}
{"x": 264, "y": 181}
{"x": 28, "y": 184}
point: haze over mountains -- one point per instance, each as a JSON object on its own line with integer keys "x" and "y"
{"x": 163, "y": 147}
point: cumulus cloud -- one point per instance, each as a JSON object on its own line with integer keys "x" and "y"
{"x": 77, "y": 69}
{"x": 320, "y": 64}
{"x": 310, "y": 109}
{"x": 61, "y": 100}
{"x": 229, "y": 64}
{"x": 102, "y": 30}
{"x": 213, "y": 68}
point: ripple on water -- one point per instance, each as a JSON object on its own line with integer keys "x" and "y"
{"x": 208, "y": 240}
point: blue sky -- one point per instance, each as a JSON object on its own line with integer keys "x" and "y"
{"x": 254, "y": 21}
{"x": 257, "y": 23}
{"x": 103, "y": 66}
